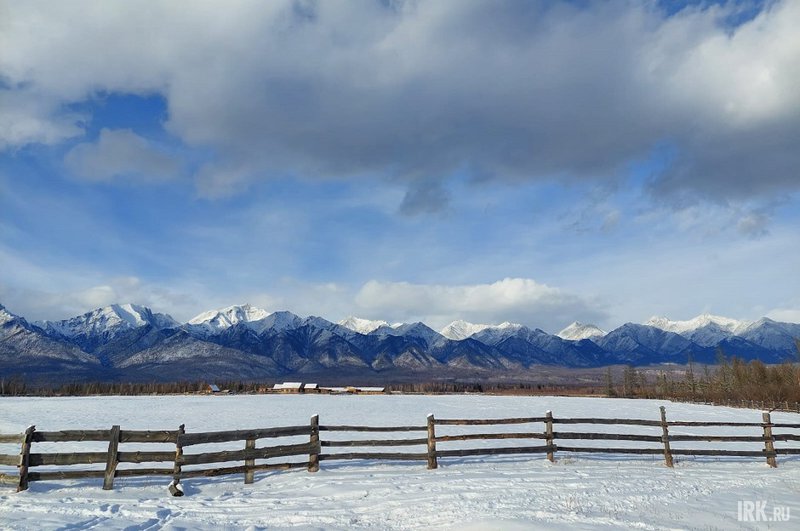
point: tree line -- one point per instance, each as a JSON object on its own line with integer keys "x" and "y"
{"x": 731, "y": 379}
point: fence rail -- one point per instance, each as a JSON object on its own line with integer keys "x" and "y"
{"x": 365, "y": 449}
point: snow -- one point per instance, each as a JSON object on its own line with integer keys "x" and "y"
{"x": 732, "y": 326}
{"x": 578, "y": 491}
{"x": 227, "y": 317}
{"x": 113, "y": 319}
{"x": 256, "y": 319}
{"x": 459, "y": 330}
{"x": 362, "y": 326}
{"x": 5, "y": 315}
{"x": 577, "y": 331}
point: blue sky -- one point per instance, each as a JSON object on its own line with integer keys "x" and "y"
{"x": 537, "y": 162}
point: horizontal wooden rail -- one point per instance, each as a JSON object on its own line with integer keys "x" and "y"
{"x": 253, "y": 453}
{"x": 373, "y": 428}
{"x": 607, "y": 436}
{"x": 788, "y": 451}
{"x": 135, "y": 436}
{"x": 65, "y": 474}
{"x": 71, "y": 436}
{"x": 146, "y": 457}
{"x": 628, "y": 422}
{"x": 75, "y": 458}
{"x": 715, "y": 423}
{"x": 240, "y": 469}
{"x": 717, "y": 438}
{"x": 131, "y": 472}
{"x": 190, "y": 439}
{"x": 480, "y": 422}
{"x": 784, "y": 425}
{"x": 602, "y": 450}
{"x": 490, "y": 436}
{"x": 378, "y": 442}
{"x": 732, "y": 453}
{"x": 11, "y": 460}
{"x": 8, "y": 479}
{"x": 11, "y": 438}
{"x": 496, "y": 451}
{"x": 374, "y": 455}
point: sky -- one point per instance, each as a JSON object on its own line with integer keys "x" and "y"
{"x": 538, "y": 162}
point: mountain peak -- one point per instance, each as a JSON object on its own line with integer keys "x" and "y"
{"x": 461, "y": 329}
{"x": 256, "y": 319}
{"x": 682, "y": 327}
{"x": 362, "y": 326}
{"x": 5, "y": 315}
{"x": 229, "y": 316}
{"x": 109, "y": 319}
{"x": 577, "y": 331}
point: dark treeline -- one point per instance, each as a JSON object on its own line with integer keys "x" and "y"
{"x": 16, "y": 386}
{"x": 730, "y": 380}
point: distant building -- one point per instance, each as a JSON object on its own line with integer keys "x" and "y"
{"x": 288, "y": 387}
{"x": 370, "y": 390}
{"x": 212, "y": 388}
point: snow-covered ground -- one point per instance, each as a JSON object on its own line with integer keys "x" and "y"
{"x": 578, "y": 491}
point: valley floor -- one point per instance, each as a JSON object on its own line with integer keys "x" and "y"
{"x": 587, "y": 491}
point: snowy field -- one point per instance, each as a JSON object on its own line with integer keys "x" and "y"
{"x": 578, "y": 491}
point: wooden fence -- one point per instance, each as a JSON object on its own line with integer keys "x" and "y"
{"x": 433, "y": 444}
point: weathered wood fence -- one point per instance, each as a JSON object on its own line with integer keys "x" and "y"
{"x": 433, "y": 443}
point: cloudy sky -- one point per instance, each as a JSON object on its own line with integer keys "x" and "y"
{"x": 538, "y": 162}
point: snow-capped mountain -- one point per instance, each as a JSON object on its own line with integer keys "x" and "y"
{"x": 577, "y": 331}
{"x": 416, "y": 330}
{"x": 492, "y": 335}
{"x": 458, "y": 330}
{"x": 362, "y": 326}
{"x": 256, "y": 319}
{"x": 773, "y": 335}
{"x": 25, "y": 347}
{"x": 108, "y": 322}
{"x": 710, "y": 330}
{"x": 132, "y": 342}
{"x": 732, "y": 326}
{"x": 5, "y": 315}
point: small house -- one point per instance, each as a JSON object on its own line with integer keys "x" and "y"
{"x": 288, "y": 387}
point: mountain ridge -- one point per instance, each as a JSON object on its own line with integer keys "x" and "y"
{"x": 243, "y": 341}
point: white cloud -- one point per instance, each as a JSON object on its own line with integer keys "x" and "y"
{"x": 420, "y": 90}
{"x": 511, "y": 299}
{"x": 120, "y": 153}
{"x": 787, "y": 315}
{"x": 27, "y": 118}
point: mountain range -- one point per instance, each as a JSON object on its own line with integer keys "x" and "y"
{"x": 128, "y": 342}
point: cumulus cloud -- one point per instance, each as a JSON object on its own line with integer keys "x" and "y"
{"x": 119, "y": 153}
{"x": 535, "y": 90}
{"x": 786, "y": 315}
{"x": 512, "y": 299}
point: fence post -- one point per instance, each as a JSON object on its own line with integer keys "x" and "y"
{"x": 548, "y": 432}
{"x": 316, "y": 447}
{"x": 249, "y": 444}
{"x": 432, "y": 462}
{"x": 24, "y": 458}
{"x": 769, "y": 446}
{"x": 174, "y": 487}
{"x": 665, "y": 437}
{"x": 112, "y": 460}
